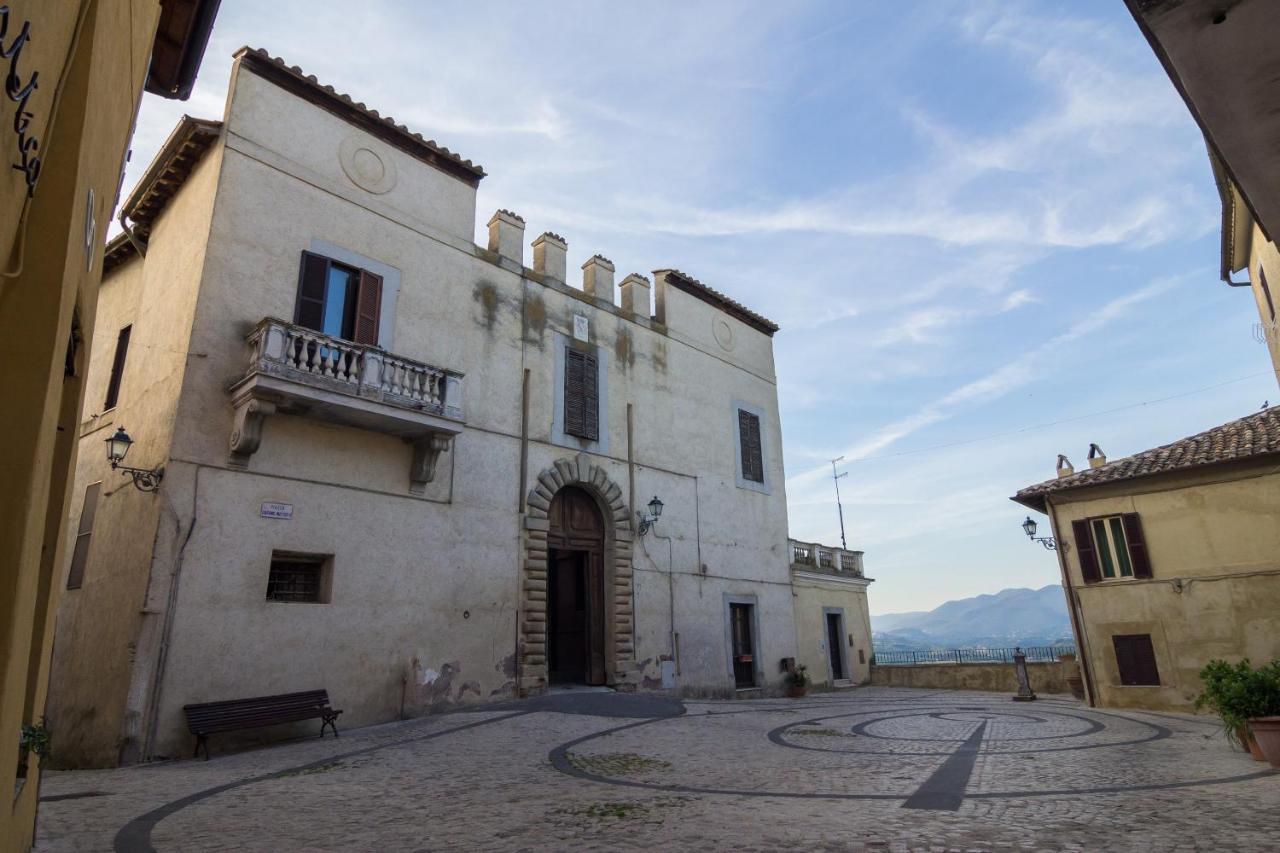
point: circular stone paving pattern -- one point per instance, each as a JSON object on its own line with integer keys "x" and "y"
{"x": 928, "y": 754}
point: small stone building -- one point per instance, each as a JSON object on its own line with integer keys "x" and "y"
{"x": 1170, "y": 559}
{"x": 398, "y": 465}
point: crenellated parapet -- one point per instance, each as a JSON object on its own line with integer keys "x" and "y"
{"x": 550, "y": 264}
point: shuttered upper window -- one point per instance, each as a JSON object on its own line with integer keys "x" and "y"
{"x": 1111, "y": 548}
{"x": 581, "y": 394}
{"x": 751, "y": 448}
{"x": 84, "y": 534}
{"x": 1136, "y": 659}
{"x": 117, "y": 368}
{"x": 339, "y": 300}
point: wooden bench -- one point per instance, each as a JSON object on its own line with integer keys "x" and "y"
{"x": 234, "y": 714}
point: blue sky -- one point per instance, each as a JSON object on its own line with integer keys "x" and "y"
{"x": 988, "y": 230}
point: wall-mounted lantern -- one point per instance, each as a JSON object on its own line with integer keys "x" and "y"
{"x": 655, "y": 512}
{"x": 145, "y": 479}
{"x": 1029, "y": 528}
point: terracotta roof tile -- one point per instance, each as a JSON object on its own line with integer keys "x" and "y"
{"x": 292, "y": 77}
{"x": 1251, "y": 436}
{"x": 693, "y": 287}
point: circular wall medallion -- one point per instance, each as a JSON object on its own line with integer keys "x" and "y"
{"x": 367, "y": 169}
{"x": 723, "y": 332}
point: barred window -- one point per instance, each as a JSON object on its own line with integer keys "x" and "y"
{"x": 299, "y": 578}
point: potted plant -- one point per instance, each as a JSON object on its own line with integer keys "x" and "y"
{"x": 1264, "y": 727}
{"x": 1248, "y": 701}
{"x": 34, "y": 740}
{"x": 798, "y": 681}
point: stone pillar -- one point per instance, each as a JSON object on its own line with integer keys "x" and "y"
{"x": 506, "y": 236}
{"x": 597, "y": 278}
{"x": 635, "y": 296}
{"x": 549, "y": 252}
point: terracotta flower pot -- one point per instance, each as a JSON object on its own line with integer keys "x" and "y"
{"x": 1265, "y": 731}
{"x": 796, "y": 692}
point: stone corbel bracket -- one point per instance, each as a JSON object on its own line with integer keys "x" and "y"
{"x": 246, "y": 435}
{"x": 426, "y": 453}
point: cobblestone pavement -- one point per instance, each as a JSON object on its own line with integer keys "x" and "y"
{"x": 873, "y": 769}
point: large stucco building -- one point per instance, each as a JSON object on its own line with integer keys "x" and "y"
{"x": 1170, "y": 558}
{"x": 396, "y": 464}
{"x": 75, "y": 73}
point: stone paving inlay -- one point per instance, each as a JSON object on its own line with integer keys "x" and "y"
{"x": 929, "y": 771}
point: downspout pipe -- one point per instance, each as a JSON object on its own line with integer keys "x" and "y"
{"x": 1073, "y": 605}
{"x": 128, "y": 232}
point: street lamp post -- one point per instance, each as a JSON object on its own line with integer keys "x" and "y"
{"x": 1029, "y": 528}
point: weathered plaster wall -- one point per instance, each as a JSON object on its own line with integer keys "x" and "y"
{"x": 814, "y": 598}
{"x": 426, "y": 590}
{"x": 105, "y": 632}
{"x": 1214, "y": 545}
{"x": 1047, "y": 678}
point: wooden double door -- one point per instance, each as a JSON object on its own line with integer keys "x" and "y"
{"x": 576, "y": 599}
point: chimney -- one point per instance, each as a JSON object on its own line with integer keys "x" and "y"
{"x": 597, "y": 278}
{"x": 1065, "y": 468}
{"x": 549, "y": 252}
{"x": 506, "y": 236}
{"x": 635, "y": 295}
{"x": 1096, "y": 457}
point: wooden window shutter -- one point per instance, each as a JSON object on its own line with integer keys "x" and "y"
{"x": 117, "y": 368}
{"x": 1136, "y": 660}
{"x": 1138, "y": 557}
{"x": 1086, "y": 551}
{"x": 84, "y": 534}
{"x": 313, "y": 279}
{"x": 368, "y": 308}
{"x": 752, "y": 452}
{"x": 590, "y": 397}
{"x": 574, "y": 371}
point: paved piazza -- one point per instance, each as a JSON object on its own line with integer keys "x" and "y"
{"x": 873, "y": 769}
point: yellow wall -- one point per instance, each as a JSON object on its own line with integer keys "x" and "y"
{"x": 92, "y": 62}
{"x": 1264, "y": 255}
{"x": 813, "y": 598}
{"x": 92, "y": 697}
{"x": 1213, "y": 538}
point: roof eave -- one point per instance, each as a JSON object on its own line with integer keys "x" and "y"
{"x": 172, "y": 72}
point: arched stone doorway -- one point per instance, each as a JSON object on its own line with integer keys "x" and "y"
{"x": 575, "y": 510}
{"x": 576, "y": 614}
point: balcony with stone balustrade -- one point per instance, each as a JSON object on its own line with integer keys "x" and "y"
{"x": 810, "y": 556}
{"x": 294, "y": 370}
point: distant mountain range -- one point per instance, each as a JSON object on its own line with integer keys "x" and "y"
{"x": 1011, "y": 617}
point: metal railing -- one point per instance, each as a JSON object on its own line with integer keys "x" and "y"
{"x": 1002, "y": 655}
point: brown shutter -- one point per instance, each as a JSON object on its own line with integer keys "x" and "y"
{"x": 749, "y": 440}
{"x": 1137, "y": 545}
{"x": 368, "y": 308}
{"x": 117, "y": 368}
{"x": 313, "y": 279}
{"x": 1086, "y": 551}
{"x": 1136, "y": 660}
{"x": 590, "y": 397}
{"x": 84, "y": 535}
{"x": 574, "y": 371}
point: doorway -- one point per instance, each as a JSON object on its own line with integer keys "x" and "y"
{"x": 835, "y": 646}
{"x": 744, "y": 668}
{"x": 575, "y": 590}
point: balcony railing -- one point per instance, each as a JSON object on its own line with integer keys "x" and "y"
{"x": 838, "y": 561}
{"x": 296, "y": 370}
